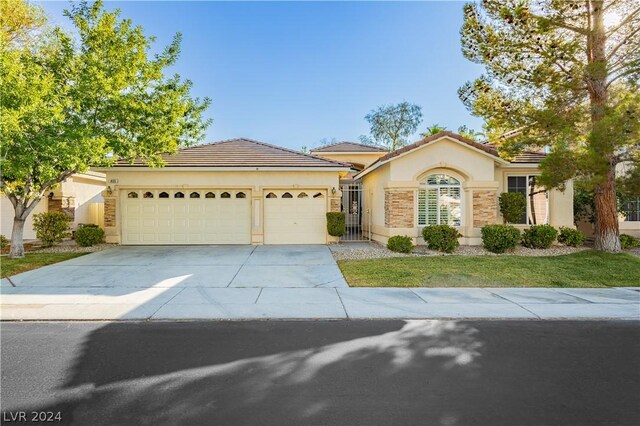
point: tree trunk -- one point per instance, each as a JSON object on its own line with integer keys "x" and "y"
{"x": 607, "y": 234}
{"x": 17, "y": 241}
{"x": 606, "y": 227}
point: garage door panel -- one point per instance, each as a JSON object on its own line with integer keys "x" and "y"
{"x": 296, "y": 220}
{"x": 186, "y": 220}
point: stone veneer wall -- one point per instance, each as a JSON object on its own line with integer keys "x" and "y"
{"x": 63, "y": 204}
{"x": 399, "y": 207}
{"x": 335, "y": 204}
{"x": 109, "y": 210}
{"x": 485, "y": 208}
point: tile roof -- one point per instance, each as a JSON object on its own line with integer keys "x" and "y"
{"x": 350, "y": 147}
{"x": 529, "y": 157}
{"x": 239, "y": 152}
{"x": 489, "y": 149}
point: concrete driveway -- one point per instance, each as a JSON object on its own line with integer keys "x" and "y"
{"x": 193, "y": 266}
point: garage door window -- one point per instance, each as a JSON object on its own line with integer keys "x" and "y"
{"x": 210, "y": 195}
{"x": 241, "y": 195}
{"x": 194, "y": 195}
{"x": 302, "y": 195}
{"x": 271, "y": 195}
{"x": 148, "y": 194}
{"x": 178, "y": 195}
{"x": 287, "y": 195}
{"x": 225, "y": 195}
{"x": 132, "y": 195}
{"x": 318, "y": 195}
{"x": 163, "y": 195}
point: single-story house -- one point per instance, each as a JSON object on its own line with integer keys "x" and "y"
{"x": 448, "y": 179}
{"x": 80, "y": 197}
{"x": 242, "y": 191}
{"x": 237, "y": 191}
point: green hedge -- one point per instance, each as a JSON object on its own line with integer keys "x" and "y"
{"x": 400, "y": 244}
{"x": 336, "y": 224}
{"x": 627, "y": 241}
{"x": 51, "y": 227}
{"x": 500, "y": 238}
{"x": 89, "y": 235}
{"x": 443, "y": 238}
{"x": 539, "y": 236}
{"x": 4, "y": 242}
{"x": 571, "y": 237}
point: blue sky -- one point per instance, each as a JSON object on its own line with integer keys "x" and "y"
{"x": 293, "y": 73}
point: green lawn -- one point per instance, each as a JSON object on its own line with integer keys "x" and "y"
{"x": 584, "y": 269}
{"x": 31, "y": 261}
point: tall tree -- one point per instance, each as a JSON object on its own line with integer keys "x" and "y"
{"x": 69, "y": 103}
{"x": 562, "y": 74}
{"x": 391, "y": 125}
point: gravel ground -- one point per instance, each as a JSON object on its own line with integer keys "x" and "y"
{"x": 70, "y": 246}
{"x": 375, "y": 250}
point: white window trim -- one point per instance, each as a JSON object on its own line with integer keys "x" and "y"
{"x": 527, "y": 204}
{"x": 425, "y": 186}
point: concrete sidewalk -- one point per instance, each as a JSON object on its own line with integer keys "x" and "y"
{"x": 191, "y": 303}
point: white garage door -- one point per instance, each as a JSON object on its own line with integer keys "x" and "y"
{"x": 295, "y": 217}
{"x": 207, "y": 216}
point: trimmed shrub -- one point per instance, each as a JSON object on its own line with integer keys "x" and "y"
{"x": 539, "y": 236}
{"x": 500, "y": 238}
{"x": 4, "y": 242}
{"x": 91, "y": 235}
{"x": 336, "y": 224}
{"x": 443, "y": 238}
{"x": 400, "y": 244}
{"x": 51, "y": 227}
{"x": 513, "y": 206}
{"x": 628, "y": 241}
{"x": 571, "y": 237}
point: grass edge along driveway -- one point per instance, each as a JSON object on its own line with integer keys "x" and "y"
{"x": 584, "y": 269}
{"x": 31, "y": 261}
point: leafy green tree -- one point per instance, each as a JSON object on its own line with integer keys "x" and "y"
{"x": 72, "y": 102}
{"x": 562, "y": 74}
{"x": 391, "y": 125}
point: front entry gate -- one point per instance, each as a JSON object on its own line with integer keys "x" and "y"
{"x": 352, "y": 208}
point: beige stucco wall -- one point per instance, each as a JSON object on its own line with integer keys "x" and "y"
{"x": 7, "y": 213}
{"x": 252, "y": 180}
{"x": 364, "y": 158}
{"x": 482, "y": 177}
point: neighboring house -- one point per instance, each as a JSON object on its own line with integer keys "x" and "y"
{"x": 448, "y": 179}
{"x": 629, "y": 216}
{"x": 79, "y": 196}
{"x": 237, "y": 191}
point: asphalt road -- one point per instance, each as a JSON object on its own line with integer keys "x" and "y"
{"x": 331, "y": 372}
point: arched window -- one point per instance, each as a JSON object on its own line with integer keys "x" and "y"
{"x": 148, "y": 195}
{"x": 241, "y": 195}
{"x": 271, "y": 195}
{"x": 318, "y": 195}
{"x": 132, "y": 195}
{"x": 302, "y": 195}
{"x": 440, "y": 201}
{"x": 225, "y": 195}
{"x": 209, "y": 195}
{"x": 163, "y": 195}
{"x": 194, "y": 195}
{"x": 178, "y": 195}
{"x": 287, "y": 195}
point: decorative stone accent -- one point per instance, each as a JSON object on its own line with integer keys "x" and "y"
{"x": 66, "y": 205}
{"x": 485, "y": 208}
{"x": 109, "y": 210}
{"x": 335, "y": 204}
{"x": 399, "y": 209}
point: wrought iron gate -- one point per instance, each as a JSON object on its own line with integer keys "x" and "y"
{"x": 353, "y": 209}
